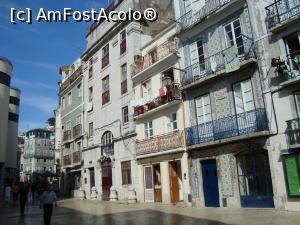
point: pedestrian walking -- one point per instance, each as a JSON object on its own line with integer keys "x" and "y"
{"x": 48, "y": 197}
{"x": 7, "y": 193}
{"x": 15, "y": 192}
{"x": 23, "y": 197}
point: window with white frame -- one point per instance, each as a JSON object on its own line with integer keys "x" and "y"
{"x": 148, "y": 129}
{"x": 171, "y": 123}
{"x": 297, "y": 101}
{"x": 234, "y": 36}
{"x": 78, "y": 120}
{"x": 203, "y": 109}
{"x": 125, "y": 115}
{"x": 243, "y": 96}
{"x": 63, "y": 103}
{"x": 90, "y": 94}
{"x": 91, "y": 129}
{"x": 146, "y": 89}
{"x": 105, "y": 84}
{"x": 69, "y": 98}
{"x": 79, "y": 90}
{"x": 68, "y": 125}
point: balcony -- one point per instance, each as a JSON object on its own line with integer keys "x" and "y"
{"x": 77, "y": 131}
{"x": 289, "y": 70}
{"x": 224, "y": 62}
{"x": 282, "y": 12}
{"x": 161, "y": 52}
{"x": 76, "y": 157}
{"x": 105, "y": 97}
{"x": 71, "y": 79}
{"x": 67, "y": 135}
{"x": 191, "y": 18}
{"x": 107, "y": 149}
{"x": 160, "y": 143}
{"x": 293, "y": 132}
{"x": 237, "y": 125}
{"x": 67, "y": 160}
{"x": 167, "y": 94}
{"x": 123, "y": 87}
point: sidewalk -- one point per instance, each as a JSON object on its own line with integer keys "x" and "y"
{"x": 75, "y": 212}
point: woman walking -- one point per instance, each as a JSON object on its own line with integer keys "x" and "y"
{"x": 48, "y": 197}
{"x": 23, "y": 197}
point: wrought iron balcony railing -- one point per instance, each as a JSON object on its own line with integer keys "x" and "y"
{"x": 228, "y": 127}
{"x": 67, "y": 135}
{"x": 168, "y": 94}
{"x": 156, "y": 55}
{"x": 76, "y": 157}
{"x": 160, "y": 143}
{"x": 281, "y": 11}
{"x": 293, "y": 131}
{"x": 191, "y": 18}
{"x": 289, "y": 69}
{"x": 220, "y": 62}
{"x": 77, "y": 131}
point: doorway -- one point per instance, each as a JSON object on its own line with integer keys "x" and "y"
{"x": 210, "y": 183}
{"x": 106, "y": 180}
{"x": 255, "y": 182}
{"x": 152, "y": 179}
{"x": 175, "y": 181}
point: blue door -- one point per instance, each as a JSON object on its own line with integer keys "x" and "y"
{"x": 255, "y": 182}
{"x": 210, "y": 183}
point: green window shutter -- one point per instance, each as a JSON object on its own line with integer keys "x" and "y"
{"x": 292, "y": 175}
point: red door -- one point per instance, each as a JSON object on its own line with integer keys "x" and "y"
{"x": 106, "y": 180}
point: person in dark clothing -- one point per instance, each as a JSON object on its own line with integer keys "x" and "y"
{"x": 33, "y": 188}
{"x": 23, "y": 197}
{"x": 48, "y": 197}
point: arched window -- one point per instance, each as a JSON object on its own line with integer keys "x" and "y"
{"x": 107, "y": 144}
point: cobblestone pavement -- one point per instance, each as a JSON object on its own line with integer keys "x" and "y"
{"x": 75, "y": 212}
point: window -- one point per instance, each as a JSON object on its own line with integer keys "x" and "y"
{"x": 90, "y": 68}
{"x": 107, "y": 144}
{"x": 243, "y": 96}
{"x": 123, "y": 42}
{"x": 148, "y": 128}
{"x": 146, "y": 89}
{"x": 91, "y": 129}
{"x": 297, "y": 101}
{"x": 105, "y": 90}
{"x": 124, "y": 79}
{"x": 293, "y": 51}
{"x": 79, "y": 89}
{"x": 126, "y": 172}
{"x": 167, "y": 77}
{"x": 69, "y": 98}
{"x": 63, "y": 103}
{"x": 105, "y": 56}
{"x": 171, "y": 122}
{"x": 90, "y": 94}
{"x": 125, "y": 115}
{"x": 78, "y": 120}
{"x": 68, "y": 126}
{"x": 200, "y": 52}
{"x": 234, "y": 36}
{"x": 203, "y": 109}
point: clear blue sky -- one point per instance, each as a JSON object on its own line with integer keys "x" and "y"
{"x": 37, "y": 51}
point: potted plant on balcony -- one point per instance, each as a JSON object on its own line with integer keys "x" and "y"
{"x": 151, "y": 105}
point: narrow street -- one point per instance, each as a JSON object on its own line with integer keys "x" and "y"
{"x": 77, "y": 212}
